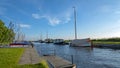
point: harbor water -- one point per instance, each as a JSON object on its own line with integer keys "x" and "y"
{"x": 83, "y": 57}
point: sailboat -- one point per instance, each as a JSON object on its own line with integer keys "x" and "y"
{"x": 48, "y": 40}
{"x": 79, "y": 42}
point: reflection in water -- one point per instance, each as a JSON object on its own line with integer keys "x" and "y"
{"x": 83, "y": 57}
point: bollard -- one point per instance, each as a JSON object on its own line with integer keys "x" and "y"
{"x": 72, "y": 58}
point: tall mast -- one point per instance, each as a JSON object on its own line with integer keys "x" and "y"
{"x": 47, "y": 35}
{"x": 41, "y": 36}
{"x": 18, "y": 34}
{"x": 75, "y": 23}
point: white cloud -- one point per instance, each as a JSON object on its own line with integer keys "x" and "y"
{"x": 24, "y": 25}
{"x": 54, "y": 21}
{"x": 38, "y": 16}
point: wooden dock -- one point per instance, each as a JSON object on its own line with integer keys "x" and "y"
{"x": 57, "y": 62}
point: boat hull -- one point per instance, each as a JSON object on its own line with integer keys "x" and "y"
{"x": 81, "y": 42}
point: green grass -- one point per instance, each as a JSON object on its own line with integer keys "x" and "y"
{"x": 9, "y": 58}
{"x": 105, "y": 42}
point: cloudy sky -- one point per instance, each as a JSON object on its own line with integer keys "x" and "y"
{"x": 95, "y": 18}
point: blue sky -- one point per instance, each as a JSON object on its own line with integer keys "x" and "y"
{"x": 95, "y": 18}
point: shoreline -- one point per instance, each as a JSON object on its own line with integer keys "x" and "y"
{"x": 111, "y": 46}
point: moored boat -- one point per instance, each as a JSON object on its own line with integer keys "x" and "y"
{"x": 58, "y": 41}
{"x": 81, "y": 42}
{"x": 19, "y": 44}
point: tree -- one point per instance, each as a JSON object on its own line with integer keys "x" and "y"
{"x": 6, "y": 33}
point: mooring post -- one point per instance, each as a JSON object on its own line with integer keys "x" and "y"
{"x": 72, "y": 58}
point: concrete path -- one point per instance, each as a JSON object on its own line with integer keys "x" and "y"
{"x": 30, "y": 56}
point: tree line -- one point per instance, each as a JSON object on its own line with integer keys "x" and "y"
{"x": 7, "y": 34}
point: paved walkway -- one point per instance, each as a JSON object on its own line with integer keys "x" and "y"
{"x": 30, "y": 56}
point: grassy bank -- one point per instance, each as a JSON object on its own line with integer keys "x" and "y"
{"x": 9, "y": 58}
{"x": 105, "y": 42}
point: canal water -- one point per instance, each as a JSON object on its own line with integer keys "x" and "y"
{"x": 83, "y": 57}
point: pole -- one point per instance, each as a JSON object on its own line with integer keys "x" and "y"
{"x": 72, "y": 58}
{"x": 41, "y": 37}
{"x": 47, "y": 35}
{"x": 75, "y": 23}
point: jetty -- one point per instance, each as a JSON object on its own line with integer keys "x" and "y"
{"x": 58, "y": 62}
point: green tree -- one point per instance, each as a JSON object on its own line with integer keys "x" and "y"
{"x": 6, "y": 33}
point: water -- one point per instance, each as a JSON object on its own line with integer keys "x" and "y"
{"x": 83, "y": 57}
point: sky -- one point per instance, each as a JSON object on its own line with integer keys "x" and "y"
{"x": 36, "y": 18}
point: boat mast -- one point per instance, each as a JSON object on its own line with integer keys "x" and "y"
{"x": 18, "y": 34}
{"x": 41, "y": 38}
{"x": 47, "y": 35}
{"x": 75, "y": 23}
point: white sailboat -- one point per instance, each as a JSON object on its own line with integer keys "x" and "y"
{"x": 79, "y": 42}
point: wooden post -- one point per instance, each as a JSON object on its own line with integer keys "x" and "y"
{"x": 72, "y": 58}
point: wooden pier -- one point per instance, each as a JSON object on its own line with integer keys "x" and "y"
{"x": 57, "y": 62}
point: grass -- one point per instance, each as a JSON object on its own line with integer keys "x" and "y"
{"x": 9, "y": 58}
{"x": 105, "y": 42}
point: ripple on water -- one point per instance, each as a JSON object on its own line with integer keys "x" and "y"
{"x": 84, "y": 57}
